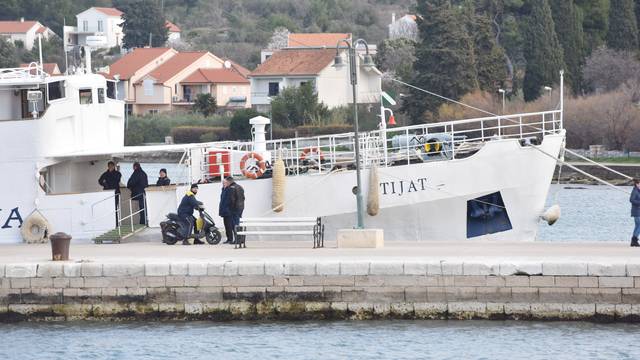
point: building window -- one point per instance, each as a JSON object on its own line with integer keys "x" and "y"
{"x": 85, "y": 96}
{"x": 129, "y": 109}
{"x": 175, "y": 89}
{"x": 152, "y": 111}
{"x": 101, "y": 96}
{"x": 274, "y": 88}
{"x": 85, "y": 25}
{"x": 55, "y": 90}
{"x": 148, "y": 87}
{"x": 100, "y": 26}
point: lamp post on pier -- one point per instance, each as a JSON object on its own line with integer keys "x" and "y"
{"x": 503, "y": 92}
{"x": 353, "y": 70}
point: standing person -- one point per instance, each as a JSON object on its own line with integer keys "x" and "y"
{"x": 137, "y": 183}
{"x": 237, "y": 200}
{"x": 635, "y": 211}
{"x": 187, "y": 206}
{"x": 225, "y": 211}
{"x": 163, "y": 180}
{"x": 110, "y": 180}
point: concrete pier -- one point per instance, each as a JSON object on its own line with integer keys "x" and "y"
{"x": 289, "y": 280}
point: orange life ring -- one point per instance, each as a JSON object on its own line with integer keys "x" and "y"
{"x": 311, "y": 150}
{"x": 253, "y": 170}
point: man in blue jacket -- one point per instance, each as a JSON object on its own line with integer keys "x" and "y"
{"x": 185, "y": 211}
{"x": 635, "y": 211}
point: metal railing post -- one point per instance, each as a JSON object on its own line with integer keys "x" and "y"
{"x": 453, "y": 144}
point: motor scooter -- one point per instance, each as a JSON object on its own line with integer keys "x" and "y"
{"x": 175, "y": 229}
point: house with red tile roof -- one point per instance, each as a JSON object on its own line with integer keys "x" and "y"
{"x": 102, "y": 22}
{"x": 24, "y": 32}
{"x": 136, "y": 64}
{"x": 173, "y": 31}
{"x": 161, "y": 79}
{"x": 293, "y": 67}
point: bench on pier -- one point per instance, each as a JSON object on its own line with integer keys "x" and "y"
{"x": 312, "y": 226}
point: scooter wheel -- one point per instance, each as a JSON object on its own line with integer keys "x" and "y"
{"x": 213, "y": 237}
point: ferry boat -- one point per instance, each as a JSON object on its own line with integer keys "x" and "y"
{"x": 482, "y": 178}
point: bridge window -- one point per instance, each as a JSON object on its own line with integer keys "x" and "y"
{"x": 85, "y": 96}
{"x": 55, "y": 90}
{"x": 101, "y": 95}
{"x": 111, "y": 89}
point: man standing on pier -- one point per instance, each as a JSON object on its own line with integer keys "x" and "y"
{"x": 110, "y": 180}
{"x": 231, "y": 207}
{"x": 137, "y": 183}
{"x": 635, "y": 211}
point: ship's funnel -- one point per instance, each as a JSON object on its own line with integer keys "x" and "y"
{"x": 552, "y": 214}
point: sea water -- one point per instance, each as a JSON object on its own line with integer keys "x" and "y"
{"x": 589, "y": 213}
{"x": 507, "y": 340}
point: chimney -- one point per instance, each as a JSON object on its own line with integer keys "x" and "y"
{"x": 393, "y": 17}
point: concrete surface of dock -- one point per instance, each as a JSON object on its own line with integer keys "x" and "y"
{"x": 290, "y": 280}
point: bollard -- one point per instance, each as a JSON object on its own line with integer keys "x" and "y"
{"x": 60, "y": 246}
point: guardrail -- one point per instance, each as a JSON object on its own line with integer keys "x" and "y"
{"x": 395, "y": 146}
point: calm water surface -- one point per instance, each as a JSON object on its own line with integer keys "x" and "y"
{"x": 321, "y": 340}
{"x": 589, "y": 213}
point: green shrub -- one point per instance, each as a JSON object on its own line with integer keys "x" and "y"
{"x": 154, "y": 128}
{"x": 239, "y": 125}
{"x": 196, "y": 134}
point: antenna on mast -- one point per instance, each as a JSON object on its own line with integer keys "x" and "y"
{"x": 64, "y": 46}
{"x": 40, "y": 52}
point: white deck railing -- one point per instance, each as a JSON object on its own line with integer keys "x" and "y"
{"x": 31, "y": 73}
{"x": 404, "y": 145}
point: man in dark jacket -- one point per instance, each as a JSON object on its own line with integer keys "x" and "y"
{"x": 110, "y": 180}
{"x": 635, "y": 211}
{"x": 185, "y": 211}
{"x": 231, "y": 207}
{"x": 237, "y": 200}
{"x": 225, "y": 212}
{"x": 163, "y": 180}
{"x": 137, "y": 183}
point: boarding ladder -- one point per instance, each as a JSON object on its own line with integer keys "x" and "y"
{"x": 125, "y": 226}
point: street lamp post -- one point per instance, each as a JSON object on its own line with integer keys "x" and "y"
{"x": 503, "y": 92}
{"x": 353, "y": 70}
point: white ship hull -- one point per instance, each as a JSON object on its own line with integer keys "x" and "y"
{"x": 433, "y": 208}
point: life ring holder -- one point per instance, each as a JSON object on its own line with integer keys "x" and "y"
{"x": 307, "y": 154}
{"x": 254, "y": 169}
{"x": 35, "y": 228}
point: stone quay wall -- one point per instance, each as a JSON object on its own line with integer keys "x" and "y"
{"x": 322, "y": 290}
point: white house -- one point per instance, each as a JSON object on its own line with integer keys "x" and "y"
{"x": 24, "y": 32}
{"x": 406, "y": 27}
{"x": 293, "y": 67}
{"x": 173, "y": 31}
{"x": 96, "y": 21}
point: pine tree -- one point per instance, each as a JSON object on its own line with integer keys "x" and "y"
{"x": 595, "y": 22}
{"x": 542, "y": 49}
{"x": 489, "y": 56}
{"x": 142, "y": 19}
{"x": 568, "y": 27}
{"x": 8, "y": 55}
{"x": 444, "y": 59}
{"x": 623, "y": 28}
